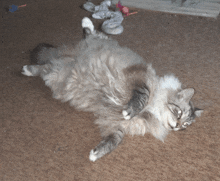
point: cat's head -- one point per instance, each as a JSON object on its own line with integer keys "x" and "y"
{"x": 182, "y": 110}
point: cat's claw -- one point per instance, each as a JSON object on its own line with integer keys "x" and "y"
{"x": 93, "y": 156}
{"x": 26, "y": 72}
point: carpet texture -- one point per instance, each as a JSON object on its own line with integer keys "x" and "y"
{"x": 43, "y": 139}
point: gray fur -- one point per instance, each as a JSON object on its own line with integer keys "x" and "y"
{"x": 102, "y": 77}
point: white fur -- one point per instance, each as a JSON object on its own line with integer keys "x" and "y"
{"x": 176, "y": 129}
{"x": 115, "y": 100}
{"x": 172, "y": 122}
{"x": 26, "y": 72}
{"x": 135, "y": 126}
{"x": 92, "y": 156}
{"x": 169, "y": 82}
{"x": 125, "y": 115}
{"x": 87, "y": 23}
{"x": 158, "y": 107}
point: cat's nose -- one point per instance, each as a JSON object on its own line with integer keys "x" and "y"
{"x": 177, "y": 125}
{"x": 173, "y": 125}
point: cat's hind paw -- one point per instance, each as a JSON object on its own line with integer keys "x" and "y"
{"x": 93, "y": 155}
{"x": 25, "y": 71}
{"x": 87, "y": 23}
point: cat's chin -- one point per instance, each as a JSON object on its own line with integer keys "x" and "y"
{"x": 183, "y": 126}
{"x": 176, "y": 129}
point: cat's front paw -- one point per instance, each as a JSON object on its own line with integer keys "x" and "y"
{"x": 105, "y": 146}
{"x": 25, "y": 71}
{"x": 128, "y": 113}
{"x": 97, "y": 153}
{"x": 93, "y": 155}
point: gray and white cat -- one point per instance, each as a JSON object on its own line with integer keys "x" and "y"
{"x": 117, "y": 85}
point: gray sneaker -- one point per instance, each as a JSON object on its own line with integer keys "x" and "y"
{"x": 89, "y": 6}
{"x": 113, "y": 25}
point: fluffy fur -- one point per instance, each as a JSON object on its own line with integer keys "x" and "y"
{"x": 117, "y": 85}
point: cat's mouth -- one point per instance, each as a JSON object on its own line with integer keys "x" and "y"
{"x": 185, "y": 125}
{"x": 180, "y": 126}
{"x": 176, "y": 128}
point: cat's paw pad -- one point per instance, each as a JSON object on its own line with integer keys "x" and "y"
{"x": 87, "y": 23}
{"x": 25, "y": 71}
{"x": 93, "y": 155}
{"x": 126, "y": 115}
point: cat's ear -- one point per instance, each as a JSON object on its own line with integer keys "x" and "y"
{"x": 198, "y": 112}
{"x": 175, "y": 110}
{"x": 186, "y": 94}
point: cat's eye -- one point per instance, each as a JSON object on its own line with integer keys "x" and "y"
{"x": 179, "y": 114}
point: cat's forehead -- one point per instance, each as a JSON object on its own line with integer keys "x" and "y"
{"x": 173, "y": 97}
{"x": 185, "y": 107}
{"x": 181, "y": 103}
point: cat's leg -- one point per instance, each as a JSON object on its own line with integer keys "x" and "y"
{"x": 137, "y": 102}
{"x": 35, "y": 70}
{"x": 108, "y": 144}
{"x": 31, "y": 70}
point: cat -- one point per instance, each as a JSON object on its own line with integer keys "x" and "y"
{"x": 117, "y": 85}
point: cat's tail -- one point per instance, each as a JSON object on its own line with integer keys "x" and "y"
{"x": 43, "y": 54}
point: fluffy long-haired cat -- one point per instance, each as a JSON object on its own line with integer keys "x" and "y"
{"x": 117, "y": 85}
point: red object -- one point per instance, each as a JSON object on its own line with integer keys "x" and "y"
{"x": 124, "y": 9}
{"x": 22, "y": 6}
